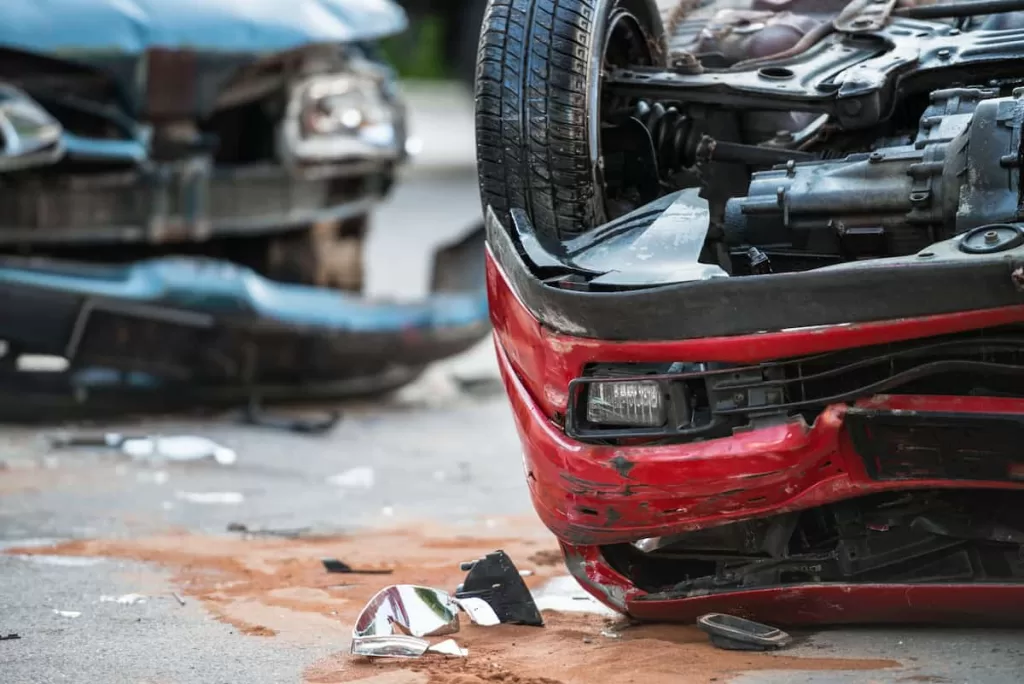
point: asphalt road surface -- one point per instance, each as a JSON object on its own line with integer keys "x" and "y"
{"x": 421, "y": 481}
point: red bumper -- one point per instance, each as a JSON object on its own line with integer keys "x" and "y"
{"x": 810, "y": 604}
{"x": 591, "y": 495}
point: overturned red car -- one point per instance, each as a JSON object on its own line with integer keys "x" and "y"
{"x": 757, "y": 282}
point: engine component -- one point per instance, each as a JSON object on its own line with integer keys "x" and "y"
{"x": 735, "y": 35}
{"x": 962, "y": 171}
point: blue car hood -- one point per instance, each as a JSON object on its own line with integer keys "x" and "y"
{"x": 93, "y": 28}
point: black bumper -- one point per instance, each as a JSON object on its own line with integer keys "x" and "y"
{"x": 947, "y": 282}
{"x": 179, "y": 333}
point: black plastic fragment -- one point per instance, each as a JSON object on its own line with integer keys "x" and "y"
{"x": 9, "y": 637}
{"x": 294, "y": 533}
{"x": 335, "y": 565}
{"x": 738, "y": 634}
{"x": 256, "y": 414}
{"x": 496, "y": 580}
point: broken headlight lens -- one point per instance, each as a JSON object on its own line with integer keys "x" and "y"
{"x": 340, "y": 116}
{"x": 636, "y": 403}
{"x": 347, "y": 105}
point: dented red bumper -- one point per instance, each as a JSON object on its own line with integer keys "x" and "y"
{"x": 592, "y": 495}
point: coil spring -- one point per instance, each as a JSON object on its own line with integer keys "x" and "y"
{"x": 670, "y": 130}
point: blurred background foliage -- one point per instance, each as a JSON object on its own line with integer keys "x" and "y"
{"x": 419, "y": 52}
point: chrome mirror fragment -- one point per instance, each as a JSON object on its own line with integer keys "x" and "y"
{"x": 390, "y": 646}
{"x": 397, "y": 617}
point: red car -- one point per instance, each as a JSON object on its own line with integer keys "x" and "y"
{"x": 757, "y": 284}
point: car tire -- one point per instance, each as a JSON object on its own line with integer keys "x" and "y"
{"x": 538, "y": 100}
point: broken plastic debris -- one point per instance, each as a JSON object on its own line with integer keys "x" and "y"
{"x": 63, "y": 561}
{"x": 125, "y": 600}
{"x": 479, "y": 611}
{"x": 356, "y": 478}
{"x": 9, "y": 637}
{"x": 179, "y": 448}
{"x": 449, "y": 647}
{"x": 335, "y": 565}
{"x": 228, "y": 498}
{"x": 256, "y": 414}
{"x": 564, "y": 595}
{"x": 738, "y": 634}
{"x": 67, "y": 613}
{"x": 609, "y": 634}
{"x": 157, "y": 477}
{"x": 177, "y": 597}
{"x": 293, "y": 533}
{"x": 389, "y": 646}
{"x": 495, "y": 580}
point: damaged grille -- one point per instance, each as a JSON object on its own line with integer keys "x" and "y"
{"x": 925, "y": 537}
{"x": 705, "y": 400}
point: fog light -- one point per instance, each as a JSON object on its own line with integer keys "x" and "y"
{"x": 626, "y": 403}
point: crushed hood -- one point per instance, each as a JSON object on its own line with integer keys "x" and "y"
{"x": 94, "y": 28}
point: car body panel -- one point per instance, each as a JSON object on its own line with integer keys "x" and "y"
{"x": 77, "y": 29}
{"x": 592, "y": 494}
{"x": 808, "y": 605}
{"x": 177, "y": 332}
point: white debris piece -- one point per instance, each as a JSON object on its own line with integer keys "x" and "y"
{"x": 67, "y": 613}
{"x": 63, "y": 561}
{"x": 356, "y": 478}
{"x": 157, "y": 477}
{"x": 125, "y": 600}
{"x": 178, "y": 448}
{"x": 449, "y": 647}
{"x": 226, "y": 498}
{"x": 564, "y": 595}
{"x": 479, "y": 611}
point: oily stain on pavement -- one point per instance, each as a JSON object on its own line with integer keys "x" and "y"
{"x": 268, "y": 587}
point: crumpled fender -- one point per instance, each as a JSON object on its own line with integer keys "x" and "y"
{"x": 67, "y": 28}
{"x": 194, "y": 330}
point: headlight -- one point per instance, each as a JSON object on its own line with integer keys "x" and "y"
{"x": 640, "y": 404}
{"x": 343, "y": 116}
{"x": 29, "y": 135}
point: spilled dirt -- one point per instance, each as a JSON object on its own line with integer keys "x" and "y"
{"x": 273, "y": 588}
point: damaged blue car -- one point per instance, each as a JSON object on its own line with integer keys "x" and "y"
{"x": 185, "y": 187}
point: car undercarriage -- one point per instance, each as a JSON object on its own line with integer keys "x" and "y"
{"x": 756, "y": 275}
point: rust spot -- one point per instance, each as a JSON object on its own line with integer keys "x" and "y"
{"x": 622, "y": 465}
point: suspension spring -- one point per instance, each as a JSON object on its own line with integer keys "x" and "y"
{"x": 670, "y": 131}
